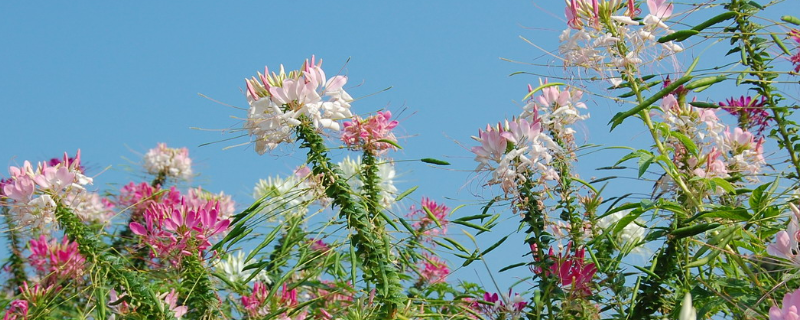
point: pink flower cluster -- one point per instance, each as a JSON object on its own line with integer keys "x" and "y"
{"x": 35, "y": 191}
{"x": 514, "y": 151}
{"x": 570, "y": 269}
{"x": 171, "y": 301}
{"x": 176, "y": 230}
{"x": 500, "y": 306}
{"x": 424, "y": 224}
{"x": 18, "y": 310}
{"x": 56, "y": 261}
{"x": 366, "y": 134}
{"x": 257, "y": 304}
{"x": 787, "y": 241}
{"x": 751, "y": 112}
{"x": 790, "y": 309}
{"x": 433, "y": 270}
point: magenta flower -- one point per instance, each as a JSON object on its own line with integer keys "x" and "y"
{"x": 499, "y": 306}
{"x": 179, "y": 229}
{"x": 795, "y": 35}
{"x": 790, "y": 309}
{"x": 366, "y": 134}
{"x": 571, "y": 270}
{"x": 751, "y": 112}
{"x": 17, "y": 308}
{"x": 56, "y": 261}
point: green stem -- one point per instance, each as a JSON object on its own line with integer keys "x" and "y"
{"x": 371, "y": 243}
{"x": 15, "y": 261}
{"x": 109, "y": 266}
{"x": 198, "y": 290}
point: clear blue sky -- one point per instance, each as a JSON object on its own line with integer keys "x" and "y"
{"x": 114, "y": 78}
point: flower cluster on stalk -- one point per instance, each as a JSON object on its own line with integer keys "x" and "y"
{"x": 32, "y": 194}
{"x": 168, "y": 162}
{"x": 178, "y": 230}
{"x": 278, "y": 101}
{"x": 373, "y": 134}
{"x": 56, "y": 261}
{"x": 505, "y": 306}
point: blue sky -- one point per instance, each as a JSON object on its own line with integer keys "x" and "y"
{"x": 114, "y": 78}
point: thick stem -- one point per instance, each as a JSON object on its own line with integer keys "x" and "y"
{"x": 15, "y": 262}
{"x": 198, "y": 290}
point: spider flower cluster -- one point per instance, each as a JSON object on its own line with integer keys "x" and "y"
{"x": 279, "y": 101}
{"x": 373, "y": 134}
{"x": 168, "y": 162}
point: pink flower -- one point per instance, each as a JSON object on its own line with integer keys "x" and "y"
{"x": 786, "y": 241}
{"x": 56, "y": 261}
{"x": 179, "y": 229}
{"x": 571, "y": 270}
{"x": 365, "y": 134}
{"x": 493, "y": 146}
{"x": 434, "y": 270}
{"x": 795, "y": 59}
{"x": 790, "y": 309}
{"x": 507, "y": 304}
{"x": 751, "y": 112}
{"x": 17, "y": 308}
{"x": 171, "y": 299}
{"x": 425, "y": 225}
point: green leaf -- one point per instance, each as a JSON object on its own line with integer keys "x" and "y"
{"x": 686, "y": 141}
{"x": 509, "y": 267}
{"x": 405, "y": 193}
{"x": 693, "y": 230}
{"x": 717, "y": 19}
{"x": 435, "y": 161}
{"x": 678, "y": 36}
{"x": 621, "y": 116}
{"x": 644, "y": 162}
{"x": 393, "y": 143}
{"x": 474, "y": 217}
{"x": 791, "y": 19}
{"x": 494, "y": 246}
{"x": 705, "y": 82}
{"x": 471, "y": 225}
{"x": 431, "y": 216}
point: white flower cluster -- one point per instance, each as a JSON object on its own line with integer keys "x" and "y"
{"x": 278, "y": 101}
{"x": 632, "y": 235}
{"x": 558, "y": 111}
{"x": 171, "y": 162}
{"x": 386, "y": 173}
{"x": 232, "y": 266}
{"x": 591, "y": 45}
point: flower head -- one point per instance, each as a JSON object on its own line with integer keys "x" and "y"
{"x": 170, "y": 162}
{"x": 279, "y": 101}
{"x": 787, "y": 242}
{"x": 367, "y": 133}
{"x": 790, "y": 307}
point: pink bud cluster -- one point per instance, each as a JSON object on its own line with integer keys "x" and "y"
{"x": 17, "y": 310}
{"x": 257, "y": 304}
{"x": 569, "y": 268}
{"x": 366, "y": 134}
{"x": 177, "y": 230}
{"x": 56, "y": 261}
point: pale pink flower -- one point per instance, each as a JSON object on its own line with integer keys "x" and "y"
{"x": 492, "y": 148}
{"x": 660, "y": 10}
{"x": 786, "y": 241}
{"x": 198, "y": 197}
{"x": 278, "y": 101}
{"x": 790, "y": 308}
{"x": 171, "y": 162}
{"x": 171, "y": 300}
{"x": 365, "y": 134}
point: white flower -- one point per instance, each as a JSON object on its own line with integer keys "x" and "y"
{"x": 172, "y": 162}
{"x": 233, "y": 266}
{"x": 632, "y": 234}
{"x": 688, "y": 312}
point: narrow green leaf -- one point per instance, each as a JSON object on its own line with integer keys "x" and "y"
{"x": 704, "y": 82}
{"x": 506, "y": 268}
{"x": 704, "y": 105}
{"x": 431, "y": 216}
{"x": 791, "y": 19}
{"x": 619, "y": 117}
{"x": 405, "y": 193}
{"x": 435, "y": 161}
{"x": 494, "y": 246}
{"x": 471, "y": 225}
{"x": 717, "y": 19}
{"x": 393, "y": 143}
{"x": 693, "y": 230}
{"x": 780, "y": 44}
{"x": 678, "y": 36}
